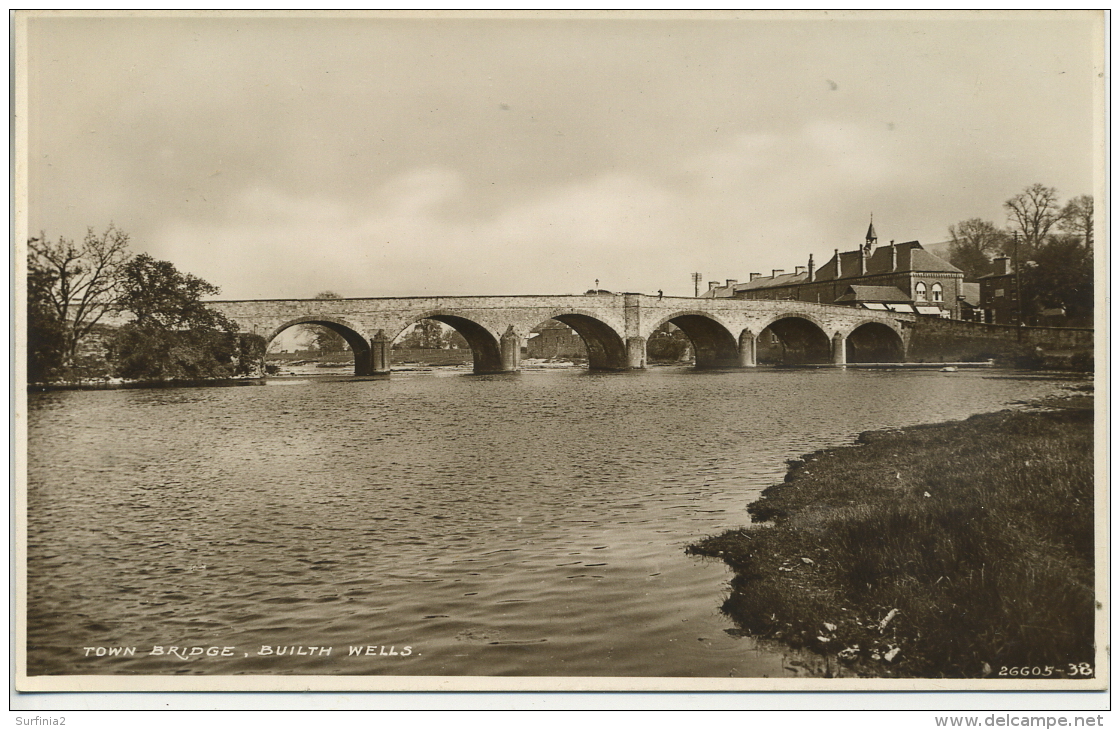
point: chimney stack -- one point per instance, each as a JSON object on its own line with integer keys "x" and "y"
{"x": 713, "y": 285}
{"x": 754, "y": 275}
{"x": 836, "y": 253}
{"x": 1003, "y": 265}
{"x": 732, "y": 282}
{"x": 812, "y": 269}
{"x": 862, "y": 261}
{"x": 799, "y": 269}
{"x": 894, "y": 257}
{"x": 774, "y": 272}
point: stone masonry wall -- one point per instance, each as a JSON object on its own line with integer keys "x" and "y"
{"x": 633, "y": 318}
{"x": 947, "y": 340}
{"x": 629, "y": 315}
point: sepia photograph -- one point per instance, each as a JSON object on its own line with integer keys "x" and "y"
{"x": 560, "y": 351}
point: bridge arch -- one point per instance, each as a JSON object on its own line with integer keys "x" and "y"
{"x": 354, "y": 337}
{"x": 606, "y": 348}
{"x": 486, "y": 349}
{"x": 496, "y": 326}
{"x": 712, "y": 339}
{"x": 794, "y": 338}
{"x": 874, "y": 341}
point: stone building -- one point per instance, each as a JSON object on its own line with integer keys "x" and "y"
{"x": 901, "y": 277}
{"x": 554, "y": 339}
{"x": 999, "y": 293}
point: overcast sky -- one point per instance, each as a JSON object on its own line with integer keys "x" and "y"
{"x": 375, "y": 156}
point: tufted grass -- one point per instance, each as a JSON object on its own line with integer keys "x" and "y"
{"x": 979, "y": 533}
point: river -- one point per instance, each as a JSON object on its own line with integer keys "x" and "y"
{"x": 529, "y": 524}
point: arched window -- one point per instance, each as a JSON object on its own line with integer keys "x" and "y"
{"x": 920, "y": 291}
{"x": 936, "y": 289}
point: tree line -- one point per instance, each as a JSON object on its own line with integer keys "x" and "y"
{"x": 428, "y": 334}
{"x": 73, "y": 287}
{"x": 1050, "y": 244}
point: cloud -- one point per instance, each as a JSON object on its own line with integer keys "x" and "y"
{"x": 381, "y": 158}
{"x": 438, "y": 229}
{"x": 400, "y": 240}
{"x": 750, "y": 202}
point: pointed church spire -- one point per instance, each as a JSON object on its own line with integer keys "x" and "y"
{"x": 872, "y": 239}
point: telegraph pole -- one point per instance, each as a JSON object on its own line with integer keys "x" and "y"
{"x": 1018, "y": 288}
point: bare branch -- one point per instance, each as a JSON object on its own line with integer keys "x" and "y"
{"x": 84, "y": 279}
{"x": 1032, "y": 213}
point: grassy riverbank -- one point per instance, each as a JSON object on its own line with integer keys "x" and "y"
{"x": 954, "y": 550}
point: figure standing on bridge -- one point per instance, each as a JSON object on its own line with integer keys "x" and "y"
{"x": 660, "y": 293}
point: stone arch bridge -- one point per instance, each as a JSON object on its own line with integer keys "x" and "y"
{"x": 725, "y": 333}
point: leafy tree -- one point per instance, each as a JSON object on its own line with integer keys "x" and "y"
{"x": 1077, "y": 219}
{"x": 159, "y": 295}
{"x": 46, "y": 333}
{"x": 1054, "y": 252}
{"x": 323, "y": 339}
{"x": 174, "y": 335}
{"x": 427, "y": 334}
{"x": 154, "y": 353}
{"x": 431, "y": 334}
{"x": 77, "y": 283}
{"x": 1060, "y": 276}
{"x": 452, "y": 340}
{"x": 410, "y": 341}
{"x": 1031, "y": 214}
{"x": 247, "y": 354}
{"x": 1056, "y": 271}
{"x": 667, "y": 344}
{"x": 973, "y": 244}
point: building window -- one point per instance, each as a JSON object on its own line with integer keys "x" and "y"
{"x": 936, "y": 289}
{"x": 920, "y": 291}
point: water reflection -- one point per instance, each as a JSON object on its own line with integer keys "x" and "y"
{"x": 526, "y": 524}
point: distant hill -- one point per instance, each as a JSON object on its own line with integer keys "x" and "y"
{"x": 940, "y": 250}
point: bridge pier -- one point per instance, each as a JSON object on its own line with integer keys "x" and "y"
{"x": 839, "y": 349}
{"x": 725, "y": 333}
{"x": 511, "y": 351}
{"x": 636, "y": 353}
{"x": 379, "y": 349}
{"x": 748, "y": 343}
{"x": 362, "y": 364}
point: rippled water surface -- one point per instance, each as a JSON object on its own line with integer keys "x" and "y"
{"x": 527, "y": 524}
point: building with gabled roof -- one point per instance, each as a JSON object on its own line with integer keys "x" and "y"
{"x": 901, "y": 277}
{"x": 873, "y": 294}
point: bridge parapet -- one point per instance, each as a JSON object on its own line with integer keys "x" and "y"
{"x": 395, "y": 314}
{"x": 615, "y": 327}
{"x": 758, "y": 314}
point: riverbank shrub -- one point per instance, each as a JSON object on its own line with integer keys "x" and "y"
{"x": 153, "y": 353}
{"x": 172, "y": 335}
{"x": 977, "y": 535}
